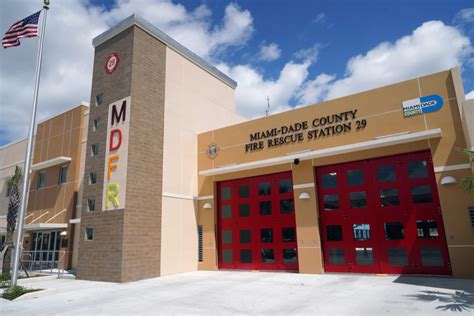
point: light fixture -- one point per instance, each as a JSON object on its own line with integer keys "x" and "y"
{"x": 63, "y": 233}
{"x": 207, "y": 206}
{"x": 448, "y": 180}
{"x": 304, "y": 196}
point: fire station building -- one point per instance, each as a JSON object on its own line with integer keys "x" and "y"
{"x": 172, "y": 180}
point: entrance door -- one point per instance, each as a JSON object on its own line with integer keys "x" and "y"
{"x": 44, "y": 249}
{"x": 256, "y": 223}
{"x": 382, "y": 216}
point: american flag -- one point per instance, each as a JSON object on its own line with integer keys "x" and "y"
{"x": 28, "y": 27}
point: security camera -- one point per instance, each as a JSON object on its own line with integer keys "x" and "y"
{"x": 296, "y": 161}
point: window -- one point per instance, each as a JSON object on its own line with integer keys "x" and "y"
{"x": 329, "y": 180}
{"x": 264, "y": 188}
{"x": 427, "y": 229}
{"x": 226, "y": 194}
{"x": 288, "y": 234}
{"x": 417, "y": 169}
{"x": 41, "y": 179}
{"x": 266, "y": 235}
{"x": 96, "y": 125}
{"x": 226, "y": 211}
{"x": 389, "y": 197}
{"x": 245, "y": 256}
{"x": 289, "y": 255}
{"x": 91, "y": 204}
{"x": 336, "y": 256}
{"x": 62, "y": 174}
{"x": 245, "y": 236}
{"x": 244, "y": 191}
{"x": 287, "y": 206}
{"x": 244, "y": 210}
{"x": 227, "y": 256}
{"x": 285, "y": 186}
{"x": 268, "y": 256}
{"x": 361, "y": 231}
{"x": 89, "y": 233}
{"x": 397, "y": 256}
{"x": 331, "y": 202}
{"x": 334, "y": 232}
{"x": 431, "y": 257}
{"x": 364, "y": 256}
{"x": 99, "y": 99}
{"x": 226, "y": 236}
{"x": 394, "y": 231}
{"x": 92, "y": 178}
{"x": 386, "y": 174}
{"x": 355, "y": 177}
{"x": 421, "y": 194}
{"x": 358, "y": 199}
{"x": 94, "y": 149}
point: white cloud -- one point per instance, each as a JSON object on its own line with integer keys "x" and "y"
{"x": 253, "y": 89}
{"x": 320, "y": 18}
{"x": 470, "y": 95}
{"x": 465, "y": 16}
{"x": 269, "y": 52}
{"x": 68, "y": 52}
{"x": 420, "y": 53}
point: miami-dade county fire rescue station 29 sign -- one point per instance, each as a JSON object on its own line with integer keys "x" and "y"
{"x": 319, "y": 127}
{"x": 116, "y": 155}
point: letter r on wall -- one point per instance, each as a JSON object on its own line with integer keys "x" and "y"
{"x": 112, "y": 192}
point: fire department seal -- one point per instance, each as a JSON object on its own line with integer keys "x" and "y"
{"x": 111, "y": 63}
{"x": 212, "y": 150}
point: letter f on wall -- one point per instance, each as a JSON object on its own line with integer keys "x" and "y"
{"x": 112, "y": 192}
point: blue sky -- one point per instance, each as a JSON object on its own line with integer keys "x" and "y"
{"x": 295, "y": 52}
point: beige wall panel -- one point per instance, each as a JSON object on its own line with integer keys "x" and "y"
{"x": 55, "y": 146}
{"x": 446, "y": 151}
{"x": 74, "y": 147}
{"x": 44, "y": 150}
{"x": 203, "y": 141}
{"x": 66, "y": 144}
{"x": 205, "y": 186}
{"x": 462, "y": 261}
{"x": 440, "y": 84}
{"x": 454, "y": 206}
{"x": 179, "y": 236}
{"x": 310, "y": 260}
{"x": 57, "y": 125}
{"x": 39, "y": 132}
{"x": 68, "y": 121}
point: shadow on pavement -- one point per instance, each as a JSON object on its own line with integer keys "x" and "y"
{"x": 461, "y": 300}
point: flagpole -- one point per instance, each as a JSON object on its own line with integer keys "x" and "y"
{"x": 29, "y": 150}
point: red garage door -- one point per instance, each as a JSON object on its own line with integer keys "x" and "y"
{"x": 382, "y": 216}
{"x": 256, "y": 223}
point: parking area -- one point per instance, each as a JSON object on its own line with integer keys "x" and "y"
{"x": 225, "y": 292}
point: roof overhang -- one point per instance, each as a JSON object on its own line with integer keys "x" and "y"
{"x": 51, "y": 162}
{"x": 40, "y": 226}
{"x": 378, "y": 142}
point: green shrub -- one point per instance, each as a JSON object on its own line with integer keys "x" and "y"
{"x": 5, "y": 276}
{"x": 15, "y": 292}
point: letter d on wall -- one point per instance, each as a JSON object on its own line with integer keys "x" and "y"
{"x": 116, "y": 155}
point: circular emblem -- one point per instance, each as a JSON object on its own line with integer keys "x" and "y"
{"x": 111, "y": 63}
{"x": 212, "y": 150}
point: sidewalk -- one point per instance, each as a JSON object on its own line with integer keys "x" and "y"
{"x": 225, "y": 292}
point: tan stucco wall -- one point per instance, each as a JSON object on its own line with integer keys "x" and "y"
{"x": 195, "y": 101}
{"x": 382, "y": 108}
{"x": 11, "y": 155}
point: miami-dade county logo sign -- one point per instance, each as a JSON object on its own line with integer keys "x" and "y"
{"x": 111, "y": 63}
{"x": 212, "y": 150}
{"x": 422, "y": 105}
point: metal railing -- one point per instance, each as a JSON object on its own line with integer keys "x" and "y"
{"x": 40, "y": 260}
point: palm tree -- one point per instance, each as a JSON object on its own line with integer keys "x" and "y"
{"x": 468, "y": 182}
{"x": 13, "y": 183}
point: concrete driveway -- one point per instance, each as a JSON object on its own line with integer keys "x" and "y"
{"x": 226, "y": 292}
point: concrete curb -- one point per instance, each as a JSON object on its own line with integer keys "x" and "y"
{"x": 36, "y": 294}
